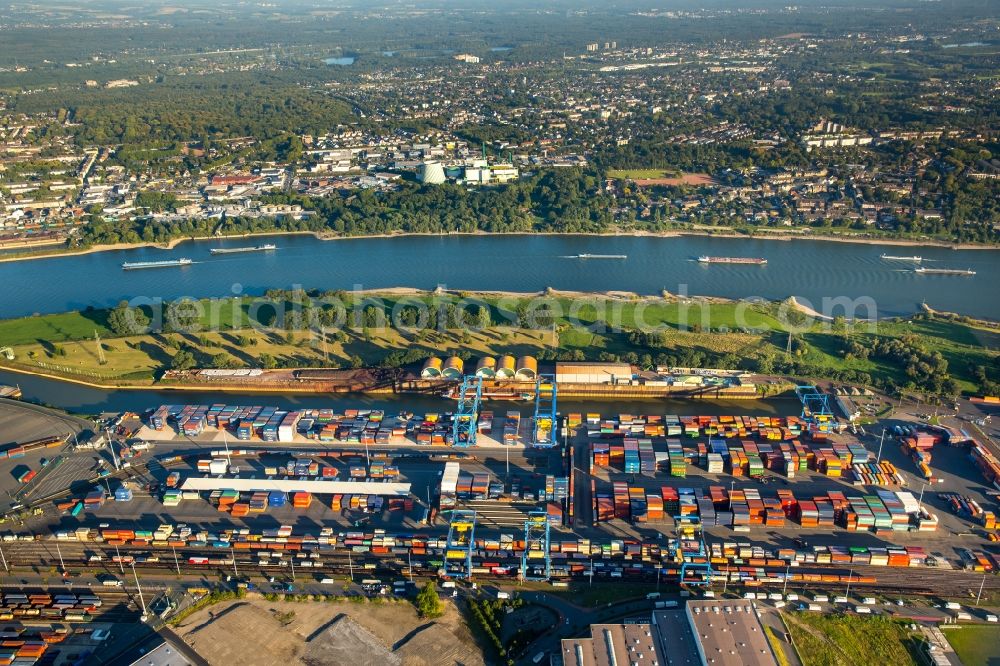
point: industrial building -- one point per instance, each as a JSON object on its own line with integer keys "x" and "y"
{"x": 723, "y": 632}
{"x": 614, "y": 644}
{"x": 592, "y": 373}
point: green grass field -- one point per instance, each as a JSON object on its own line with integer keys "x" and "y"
{"x": 729, "y": 332}
{"x": 976, "y": 646}
{"x": 850, "y": 640}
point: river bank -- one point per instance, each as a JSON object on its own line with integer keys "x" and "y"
{"x": 776, "y": 235}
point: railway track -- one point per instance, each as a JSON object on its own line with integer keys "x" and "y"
{"x": 43, "y": 556}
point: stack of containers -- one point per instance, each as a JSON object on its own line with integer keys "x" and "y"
{"x": 276, "y": 499}
{"x": 632, "y": 465}
{"x": 859, "y": 454}
{"x": 738, "y": 505}
{"x": 789, "y": 506}
{"x": 687, "y": 503}
{"x": 654, "y": 507}
{"x": 859, "y": 516}
{"x": 808, "y": 513}
{"x": 159, "y": 418}
{"x": 621, "y": 500}
{"x": 301, "y": 500}
{"x": 883, "y": 519}
{"x": 123, "y": 494}
{"x": 714, "y": 463}
{"x": 899, "y": 516}
{"x": 737, "y": 462}
{"x": 604, "y": 506}
{"x": 599, "y": 455}
{"x": 707, "y": 512}
{"x": 637, "y": 503}
{"x": 647, "y": 459}
{"x": 826, "y": 511}
{"x": 258, "y": 502}
{"x": 678, "y": 468}
{"x": 671, "y": 501}
{"x": 172, "y": 498}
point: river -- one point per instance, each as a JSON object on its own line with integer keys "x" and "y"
{"x": 811, "y": 270}
{"x": 85, "y": 400}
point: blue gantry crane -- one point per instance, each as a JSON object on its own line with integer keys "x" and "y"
{"x": 816, "y": 412}
{"x": 536, "y": 560}
{"x": 460, "y": 544}
{"x": 465, "y": 425}
{"x": 545, "y": 423}
{"x": 692, "y": 551}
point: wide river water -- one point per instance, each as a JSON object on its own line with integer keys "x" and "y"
{"x": 808, "y": 269}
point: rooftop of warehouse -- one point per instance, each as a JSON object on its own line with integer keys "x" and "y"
{"x": 585, "y": 367}
{"x": 675, "y": 637}
{"x": 612, "y": 644}
{"x": 730, "y": 633}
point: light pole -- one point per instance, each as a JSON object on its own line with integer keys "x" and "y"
{"x": 350, "y": 565}
{"x": 292, "y": 562}
{"x": 235, "y": 570}
{"x": 176, "y": 562}
{"x": 980, "y": 595}
{"x": 921, "y": 498}
{"x": 878, "y": 459}
{"x": 658, "y": 569}
{"x": 784, "y": 588}
{"x": 850, "y": 576}
{"x": 2, "y": 557}
{"x": 111, "y": 445}
{"x": 142, "y": 602}
{"x": 61, "y": 563}
{"x": 591, "y": 571}
{"x": 409, "y": 565}
{"x": 118, "y": 556}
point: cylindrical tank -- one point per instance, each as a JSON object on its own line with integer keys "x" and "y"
{"x": 453, "y": 367}
{"x": 432, "y": 368}
{"x": 506, "y": 367}
{"x": 431, "y": 173}
{"x": 527, "y": 368}
{"x": 486, "y": 367}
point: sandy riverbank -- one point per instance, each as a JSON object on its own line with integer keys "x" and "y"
{"x": 776, "y": 235}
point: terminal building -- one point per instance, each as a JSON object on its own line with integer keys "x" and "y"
{"x": 723, "y": 632}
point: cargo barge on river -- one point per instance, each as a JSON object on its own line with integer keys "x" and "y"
{"x": 238, "y": 250}
{"x": 183, "y": 261}
{"x": 753, "y": 261}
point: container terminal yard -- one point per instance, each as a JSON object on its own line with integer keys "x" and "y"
{"x": 493, "y": 492}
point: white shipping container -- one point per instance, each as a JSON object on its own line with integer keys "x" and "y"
{"x": 449, "y": 479}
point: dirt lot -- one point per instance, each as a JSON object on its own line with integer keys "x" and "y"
{"x": 254, "y": 632}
